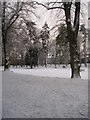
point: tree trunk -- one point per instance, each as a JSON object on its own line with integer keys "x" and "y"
{"x": 4, "y": 39}
{"x": 74, "y": 57}
{"x": 72, "y": 32}
{"x": 85, "y": 54}
{"x": 0, "y": 38}
{"x": 6, "y": 57}
{"x": 56, "y": 61}
{"x": 45, "y": 63}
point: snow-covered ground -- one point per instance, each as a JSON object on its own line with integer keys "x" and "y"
{"x": 51, "y": 71}
{"x": 44, "y": 93}
{"x": 27, "y": 96}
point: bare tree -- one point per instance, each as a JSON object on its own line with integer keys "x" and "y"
{"x": 72, "y": 30}
{"x": 11, "y": 13}
{"x": 7, "y": 22}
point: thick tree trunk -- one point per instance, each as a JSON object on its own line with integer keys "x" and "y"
{"x": 72, "y": 32}
{"x": 5, "y": 49}
{"x": 0, "y": 37}
{"x": 6, "y": 57}
{"x": 74, "y": 57}
{"x": 4, "y": 39}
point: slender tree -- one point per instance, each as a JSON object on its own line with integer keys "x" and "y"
{"x": 45, "y": 36}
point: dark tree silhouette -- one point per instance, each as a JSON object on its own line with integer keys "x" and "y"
{"x": 31, "y": 57}
{"x": 44, "y": 35}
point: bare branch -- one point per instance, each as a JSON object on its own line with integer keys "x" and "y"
{"x": 12, "y": 22}
{"x": 54, "y": 3}
{"x": 76, "y": 19}
{"x": 55, "y": 8}
{"x": 14, "y": 17}
{"x": 49, "y": 8}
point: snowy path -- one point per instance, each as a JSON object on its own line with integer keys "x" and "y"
{"x": 26, "y": 96}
